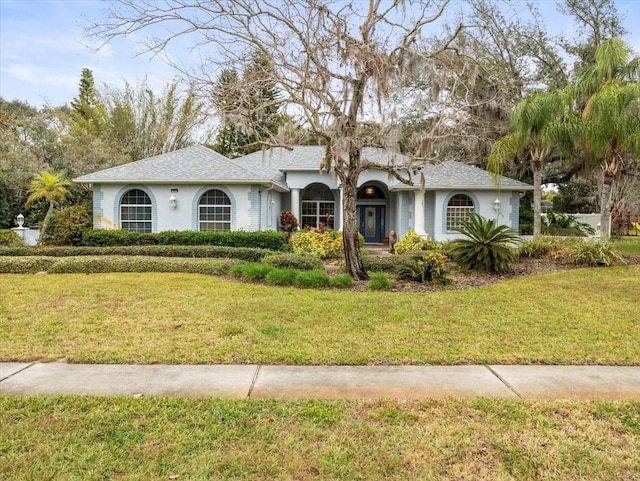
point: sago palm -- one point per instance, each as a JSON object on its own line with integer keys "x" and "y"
{"x": 487, "y": 247}
{"x": 534, "y": 124}
{"x": 53, "y": 188}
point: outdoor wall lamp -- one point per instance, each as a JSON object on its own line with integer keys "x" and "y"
{"x": 496, "y": 205}
{"x": 20, "y": 220}
{"x": 173, "y": 202}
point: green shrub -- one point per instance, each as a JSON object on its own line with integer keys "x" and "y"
{"x": 381, "y": 264}
{"x": 241, "y": 253}
{"x": 10, "y": 239}
{"x": 106, "y": 237}
{"x": 312, "y": 279}
{"x": 411, "y": 241}
{"x": 379, "y": 281}
{"x": 103, "y": 264}
{"x": 272, "y": 240}
{"x": 301, "y": 261}
{"x": 422, "y": 267}
{"x": 540, "y": 247}
{"x": 251, "y": 271}
{"x": 341, "y": 281}
{"x": 282, "y": 276}
{"x": 559, "y": 223}
{"x": 486, "y": 247}
{"x": 68, "y": 225}
{"x": 25, "y": 265}
{"x": 593, "y": 254}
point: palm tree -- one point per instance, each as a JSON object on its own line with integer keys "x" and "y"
{"x": 53, "y": 188}
{"x": 610, "y": 123}
{"x": 535, "y": 122}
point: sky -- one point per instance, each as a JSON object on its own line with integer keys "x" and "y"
{"x": 43, "y": 49}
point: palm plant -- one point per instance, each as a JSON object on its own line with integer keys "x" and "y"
{"x": 610, "y": 124}
{"x": 53, "y": 188}
{"x": 535, "y": 122}
{"x": 487, "y": 247}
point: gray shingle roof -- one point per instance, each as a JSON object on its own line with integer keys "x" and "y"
{"x": 189, "y": 165}
{"x": 199, "y": 164}
{"x": 457, "y": 175}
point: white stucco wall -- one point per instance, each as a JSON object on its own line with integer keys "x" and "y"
{"x": 257, "y": 207}
{"x": 302, "y": 179}
{"x": 483, "y": 203}
{"x": 253, "y": 207}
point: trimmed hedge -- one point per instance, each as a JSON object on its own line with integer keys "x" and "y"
{"x": 104, "y": 264}
{"x": 109, "y": 238}
{"x": 25, "y": 265}
{"x": 242, "y": 253}
{"x": 272, "y": 240}
{"x": 301, "y": 262}
{"x": 382, "y": 264}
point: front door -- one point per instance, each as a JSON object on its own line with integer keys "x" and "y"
{"x": 371, "y": 223}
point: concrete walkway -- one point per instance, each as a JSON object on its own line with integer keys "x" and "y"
{"x": 323, "y": 382}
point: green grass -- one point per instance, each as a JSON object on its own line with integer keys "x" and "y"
{"x": 582, "y": 316}
{"x": 628, "y": 246}
{"x": 88, "y": 438}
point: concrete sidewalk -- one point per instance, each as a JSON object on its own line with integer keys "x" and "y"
{"x": 323, "y": 382}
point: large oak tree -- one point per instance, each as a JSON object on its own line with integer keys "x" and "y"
{"x": 338, "y": 64}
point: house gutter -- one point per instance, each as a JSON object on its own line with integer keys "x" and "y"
{"x": 260, "y": 205}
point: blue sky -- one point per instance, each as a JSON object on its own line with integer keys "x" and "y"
{"x": 43, "y": 50}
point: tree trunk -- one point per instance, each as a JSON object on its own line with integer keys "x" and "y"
{"x": 537, "y": 198}
{"x": 45, "y": 223}
{"x": 607, "y": 182}
{"x": 350, "y": 237}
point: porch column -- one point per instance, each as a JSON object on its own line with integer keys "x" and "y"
{"x": 338, "y": 215}
{"x": 418, "y": 213}
{"x": 295, "y": 204}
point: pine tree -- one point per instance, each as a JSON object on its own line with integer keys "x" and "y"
{"x": 249, "y": 108}
{"x": 87, "y": 110}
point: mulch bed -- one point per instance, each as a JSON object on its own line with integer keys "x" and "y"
{"x": 469, "y": 280}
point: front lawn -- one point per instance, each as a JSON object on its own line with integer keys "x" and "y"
{"x": 84, "y": 438}
{"x": 581, "y": 316}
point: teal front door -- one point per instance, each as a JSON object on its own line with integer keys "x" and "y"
{"x": 371, "y": 223}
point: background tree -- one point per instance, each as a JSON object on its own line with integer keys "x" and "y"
{"x": 248, "y": 108}
{"x": 578, "y": 196}
{"x": 596, "y": 21}
{"x": 610, "y": 120}
{"x": 29, "y": 143}
{"x": 51, "y": 187}
{"x": 230, "y": 140}
{"x": 463, "y": 97}
{"x": 87, "y": 109}
{"x": 534, "y": 127}
{"x": 144, "y": 124}
{"x": 337, "y": 64}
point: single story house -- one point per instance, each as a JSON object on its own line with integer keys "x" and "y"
{"x": 198, "y": 189}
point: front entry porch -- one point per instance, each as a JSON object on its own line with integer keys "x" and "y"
{"x": 371, "y": 223}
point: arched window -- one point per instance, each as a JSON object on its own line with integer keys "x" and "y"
{"x": 318, "y": 205}
{"x": 458, "y": 208}
{"x": 214, "y": 211}
{"x": 135, "y": 211}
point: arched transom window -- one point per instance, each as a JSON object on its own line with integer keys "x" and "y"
{"x": 136, "y": 211}
{"x": 458, "y": 208}
{"x": 214, "y": 211}
{"x": 318, "y": 206}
